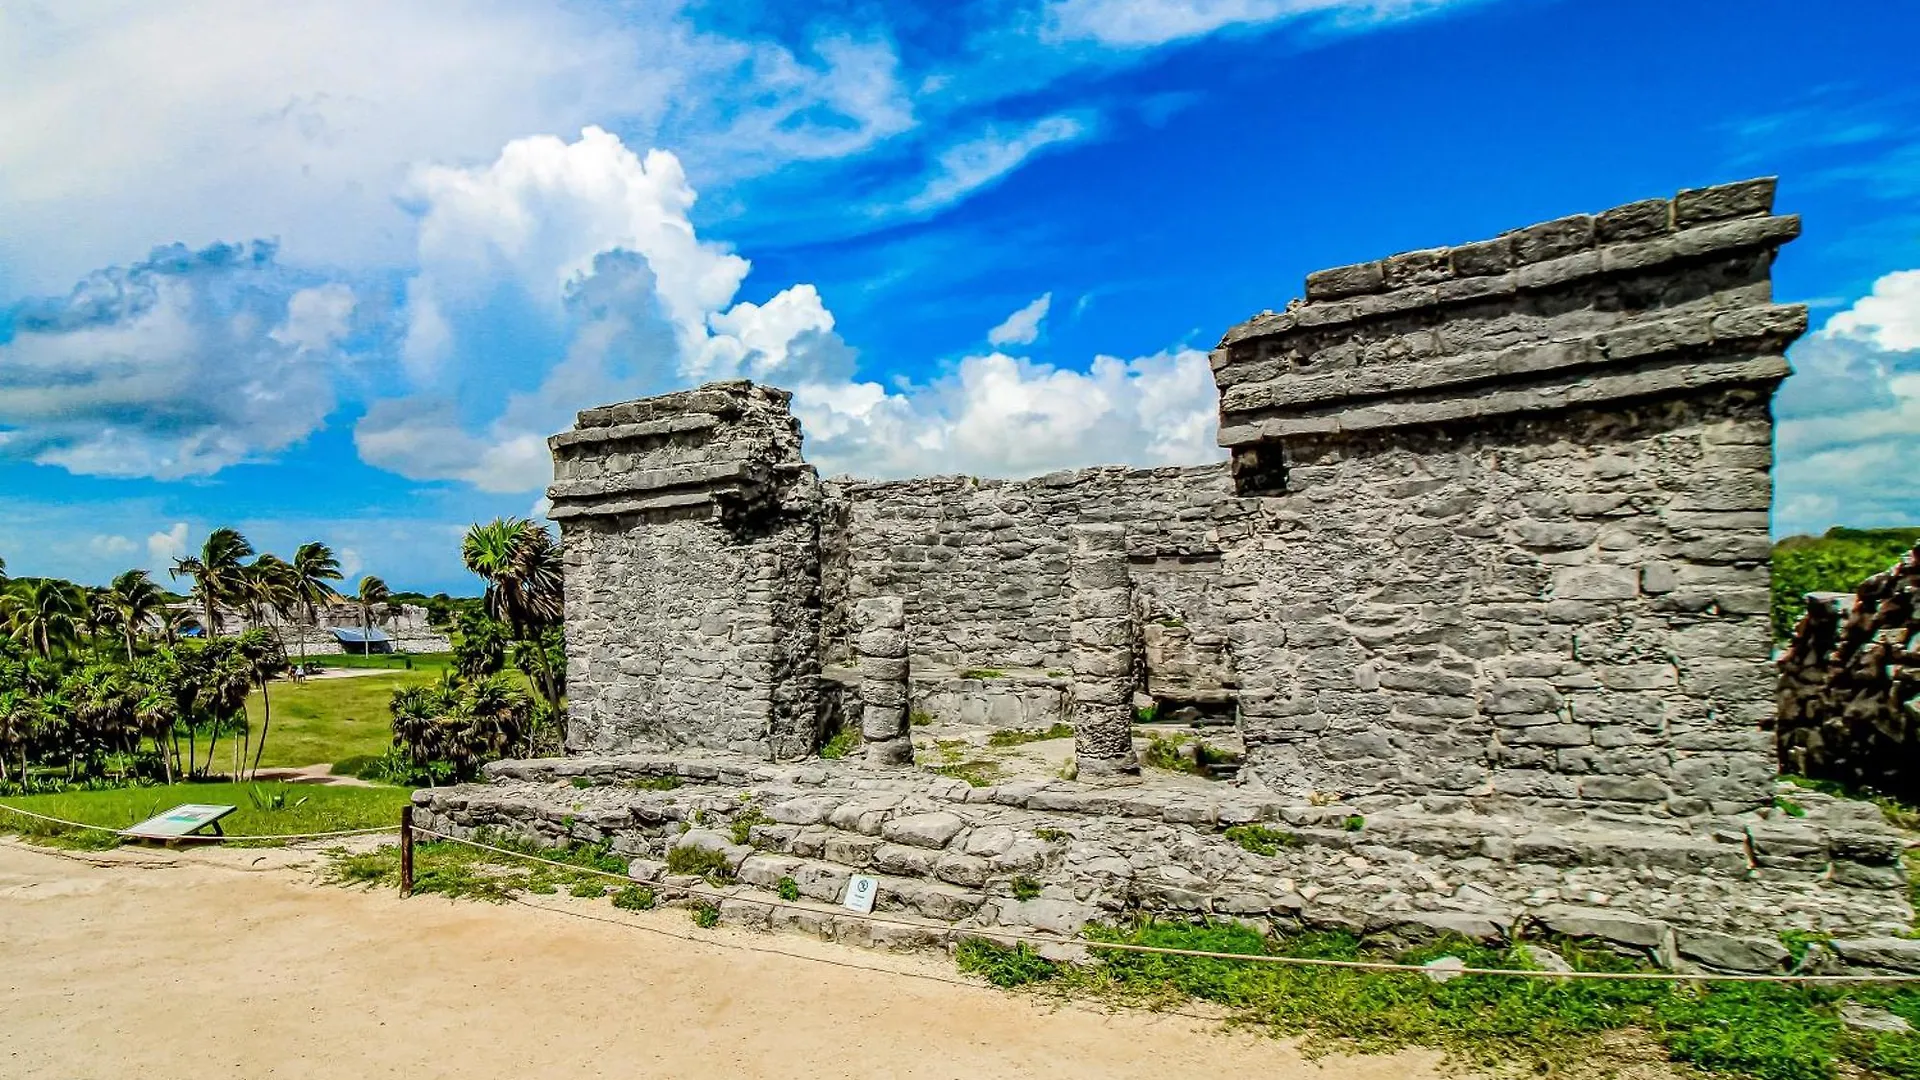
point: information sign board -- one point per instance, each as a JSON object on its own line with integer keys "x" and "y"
{"x": 179, "y": 821}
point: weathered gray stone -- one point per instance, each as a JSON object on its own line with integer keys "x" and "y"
{"x": 924, "y": 830}
{"x": 1870, "y": 1019}
{"x": 1733, "y": 953}
{"x": 1898, "y": 954}
{"x": 1620, "y": 927}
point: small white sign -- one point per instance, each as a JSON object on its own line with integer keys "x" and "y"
{"x": 861, "y": 890}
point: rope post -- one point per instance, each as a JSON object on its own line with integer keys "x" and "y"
{"x": 406, "y": 851}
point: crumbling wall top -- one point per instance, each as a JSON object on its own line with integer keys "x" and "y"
{"x": 726, "y": 444}
{"x": 1653, "y": 298}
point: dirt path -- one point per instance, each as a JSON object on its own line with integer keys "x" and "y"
{"x": 214, "y": 962}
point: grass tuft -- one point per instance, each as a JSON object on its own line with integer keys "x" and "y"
{"x": 788, "y": 889}
{"x": 1003, "y": 966}
{"x": 1262, "y": 840}
{"x": 1017, "y": 737}
{"x": 704, "y": 862}
{"x": 1758, "y": 1031}
{"x": 706, "y": 914}
{"x": 656, "y": 783}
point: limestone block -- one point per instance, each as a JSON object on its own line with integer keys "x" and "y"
{"x": 924, "y": 830}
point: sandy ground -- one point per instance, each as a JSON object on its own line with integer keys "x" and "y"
{"x": 216, "y": 962}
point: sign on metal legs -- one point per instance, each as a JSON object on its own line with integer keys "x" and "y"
{"x": 180, "y": 821}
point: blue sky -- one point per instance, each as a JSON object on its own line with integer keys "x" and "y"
{"x": 336, "y": 273}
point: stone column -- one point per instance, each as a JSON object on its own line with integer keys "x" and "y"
{"x": 1102, "y": 629}
{"x": 880, "y": 650}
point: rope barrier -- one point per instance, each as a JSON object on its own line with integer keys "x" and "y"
{"x": 1156, "y": 950}
{"x": 219, "y": 839}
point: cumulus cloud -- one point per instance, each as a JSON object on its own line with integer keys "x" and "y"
{"x": 967, "y": 167}
{"x": 164, "y": 547}
{"x": 301, "y": 124}
{"x": 999, "y": 415}
{"x": 1023, "y": 326}
{"x": 109, "y": 546}
{"x": 1849, "y": 417}
{"x": 601, "y": 238}
{"x": 175, "y": 366}
{"x": 1889, "y": 317}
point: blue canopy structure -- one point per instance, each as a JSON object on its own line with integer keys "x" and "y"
{"x": 361, "y": 642}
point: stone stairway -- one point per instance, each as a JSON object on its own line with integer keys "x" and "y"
{"x": 1051, "y": 856}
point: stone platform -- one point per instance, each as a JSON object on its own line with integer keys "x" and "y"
{"x": 1708, "y": 891}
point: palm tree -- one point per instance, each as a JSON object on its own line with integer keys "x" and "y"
{"x": 265, "y": 657}
{"x": 372, "y": 591}
{"x": 42, "y": 613}
{"x": 314, "y": 566}
{"x": 267, "y": 588}
{"x": 135, "y": 601}
{"x": 522, "y": 569}
{"x": 175, "y": 622}
{"x": 217, "y": 573}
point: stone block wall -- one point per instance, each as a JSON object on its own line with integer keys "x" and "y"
{"x": 1512, "y": 496}
{"x": 1494, "y": 525}
{"x": 690, "y": 531}
{"x": 983, "y": 564}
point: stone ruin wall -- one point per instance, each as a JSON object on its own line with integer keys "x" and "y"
{"x": 1513, "y": 517}
{"x": 1494, "y": 526}
{"x": 690, "y": 532}
{"x": 1486, "y": 578}
{"x": 1849, "y": 697}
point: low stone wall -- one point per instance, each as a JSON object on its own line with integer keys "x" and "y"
{"x": 1053, "y": 856}
{"x": 1029, "y": 700}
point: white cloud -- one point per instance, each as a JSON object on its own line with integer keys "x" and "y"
{"x": 1131, "y": 24}
{"x": 1023, "y": 326}
{"x": 1849, "y": 418}
{"x": 302, "y": 124}
{"x": 350, "y": 567}
{"x": 164, "y": 547}
{"x": 999, "y": 415}
{"x": 969, "y": 166}
{"x": 317, "y": 318}
{"x": 591, "y": 230}
{"x": 1889, "y": 317}
{"x": 176, "y": 366}
{"x": 539, "y": 215}
{"x": 110, "y": 547}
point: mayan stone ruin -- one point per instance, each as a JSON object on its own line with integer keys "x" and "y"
{"x": 1472, "y": 626}
{"x": 1850, "y": 685}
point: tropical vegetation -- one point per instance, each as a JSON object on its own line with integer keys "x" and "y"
{"x": 1837, "y": 561}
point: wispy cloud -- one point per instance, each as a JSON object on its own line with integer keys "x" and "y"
{"x": 967, "y": 167}
{"x": 1023, "y": 326}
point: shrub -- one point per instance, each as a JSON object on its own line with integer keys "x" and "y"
{"x": 634, "y": 898}
{"x": 1024, "y": 887}
{"x": 704, "y": 862}
{"x": 742, "y": 828}
{"x": 706, "y": 915}
{"x": 788, "y": 889}
{"x": 588, "y": 888}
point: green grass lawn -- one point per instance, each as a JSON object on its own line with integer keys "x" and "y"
{"x": 431, "y": 663}
{"x": 331, "y": 719}
{"x": 307, "y": 808}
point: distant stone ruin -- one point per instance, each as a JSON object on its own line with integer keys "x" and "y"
{"x": 1480, "y": 602}
{"x": 1850, "y": 685}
